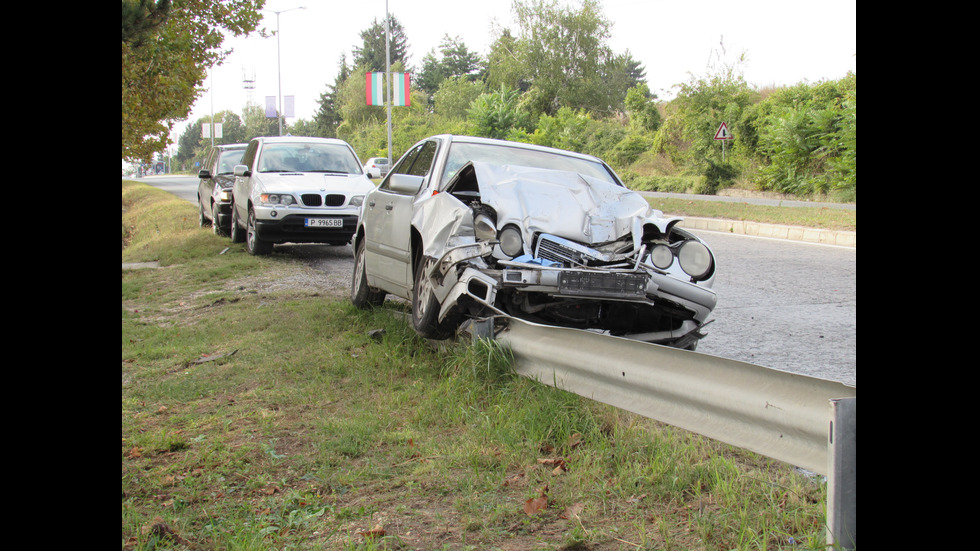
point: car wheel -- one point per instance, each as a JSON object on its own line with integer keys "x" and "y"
{"x": 202, "y": 220}
{"x": 237, "y": 235}
{"x": 253, "y": 244}
{"x": 361, "y": 295}
{"x": 215, "y": 226}
{"x": 425, "y": 307}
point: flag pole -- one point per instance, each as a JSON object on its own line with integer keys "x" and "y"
{"x": 388, "y": 78}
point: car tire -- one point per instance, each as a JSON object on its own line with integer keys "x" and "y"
{"x": 425, "y": 307}
{"x": 253, "y": 244}
{"x": 361, "y": 295}
{"x": 202, "y": 220}
{"x": 215, "y": 226}
{"x": 236, "y": 233}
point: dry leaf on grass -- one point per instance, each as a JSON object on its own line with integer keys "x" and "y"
{"x": 535, "y": 505}
{"x": 572, "y": 510}
{"x": 376, "y": 532}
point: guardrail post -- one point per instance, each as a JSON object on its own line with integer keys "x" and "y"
{"x": 842, "y": 478}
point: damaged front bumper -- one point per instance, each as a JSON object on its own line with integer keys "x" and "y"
{"x": 461, "y": 271}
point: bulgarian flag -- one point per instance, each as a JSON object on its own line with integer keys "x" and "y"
{"x": 402, "y": 92}
{"x": 375, "y": 89}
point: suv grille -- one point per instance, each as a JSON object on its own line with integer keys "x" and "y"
{"x": 315, "y": 200}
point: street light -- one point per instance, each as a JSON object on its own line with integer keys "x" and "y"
{"x": 279, "y": 60}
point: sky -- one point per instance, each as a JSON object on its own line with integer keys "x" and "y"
{"x": 785, "y": 42}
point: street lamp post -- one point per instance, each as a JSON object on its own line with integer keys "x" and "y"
{"x": 279, "y": 60}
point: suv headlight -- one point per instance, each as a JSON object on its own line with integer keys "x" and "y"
{"x": 356, "y": 201}
{"x": 283, "y": 199}
{"x": 224, "y": 195}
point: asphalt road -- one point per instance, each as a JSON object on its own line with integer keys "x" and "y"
{"x": 782, "y": 304}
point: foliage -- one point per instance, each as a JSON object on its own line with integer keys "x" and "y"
{"x": 643, "y": 113}
{"x": 454, "y": 96}
{"x": 165, "y": 58}
{"x": 563, "y": 54}
{"x": 808, "y": 138}
{"x": 371, "y": 54}
{"x": 495, "y": 114}
{"x": 702, "y": 104}
{"x": 455, "y": 62}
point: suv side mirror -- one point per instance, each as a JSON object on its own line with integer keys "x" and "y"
{"x": 242, "y": 170}
{"x": 205, "y": 173}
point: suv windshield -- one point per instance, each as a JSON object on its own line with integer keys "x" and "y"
{"x": 308, "y": 157}
{"x": 228, "y": 158}
{"x": 461, "y": 153}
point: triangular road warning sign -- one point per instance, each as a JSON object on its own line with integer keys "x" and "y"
{"x": 723, "y": 133}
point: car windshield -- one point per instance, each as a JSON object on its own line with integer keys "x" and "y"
{"x": 308, "y": 157}
{"x": 228, "y": 159}
{"x": 461, "y": 153}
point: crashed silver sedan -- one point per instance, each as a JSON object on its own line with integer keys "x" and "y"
{"x": 471, "y": 227}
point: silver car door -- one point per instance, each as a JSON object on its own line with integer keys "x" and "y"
{"x": 388, "y": 219}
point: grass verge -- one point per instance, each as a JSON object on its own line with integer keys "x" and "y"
{"x": 258, "y": 417}
{"x": 808, "y": 217}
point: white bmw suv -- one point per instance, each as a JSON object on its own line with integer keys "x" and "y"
{"x": 292, "y": 189}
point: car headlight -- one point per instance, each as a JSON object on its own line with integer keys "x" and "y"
{"x": 510, "y": 242}
{"x": 483, "y": 228}
{"x": 356, "y": 201}
{"x": 284, "y": 199}
{"x": 224, "y": 195}
{"x": 661, "y": 257}
{"x": 695, "y": 259}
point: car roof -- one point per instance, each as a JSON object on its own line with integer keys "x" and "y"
{"x": 299, "y": 139}
{"x": 231, "y": 146}
{"x": 507, "y": 143}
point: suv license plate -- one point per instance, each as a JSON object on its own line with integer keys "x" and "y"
{"x": 324, "y": 223}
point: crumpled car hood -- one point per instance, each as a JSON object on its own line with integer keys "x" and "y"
{"x": 566, "y": 204}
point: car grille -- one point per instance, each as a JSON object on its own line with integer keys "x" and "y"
{"x": 556, "y": 249}
{"x": 316, "y": 200}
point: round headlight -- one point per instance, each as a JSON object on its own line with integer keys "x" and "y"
{"x": 483, "y": 228}
{"x": 695, "y": 259}
{"x": 661, "y": 257}
{"x": 510, "y": 242}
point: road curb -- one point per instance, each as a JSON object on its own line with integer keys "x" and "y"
{"x": 794, "y": 233}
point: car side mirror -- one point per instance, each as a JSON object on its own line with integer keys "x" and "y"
{"x": 242, "y": 170}
{"x": 204, "y": 174}
{"x": 405, "y": 183}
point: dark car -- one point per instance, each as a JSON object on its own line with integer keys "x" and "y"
{"x": 214, "y": 188}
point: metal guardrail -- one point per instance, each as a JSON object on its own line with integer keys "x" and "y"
{"x": 804, "y": 421}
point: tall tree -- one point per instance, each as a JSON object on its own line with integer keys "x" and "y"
{"x": 455, "y": 60}
{"x": 371, "y": 55}
{"x": 327, "y": 118}
{"x": 165, "y": 58}
{"x": 563, "y": 53}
